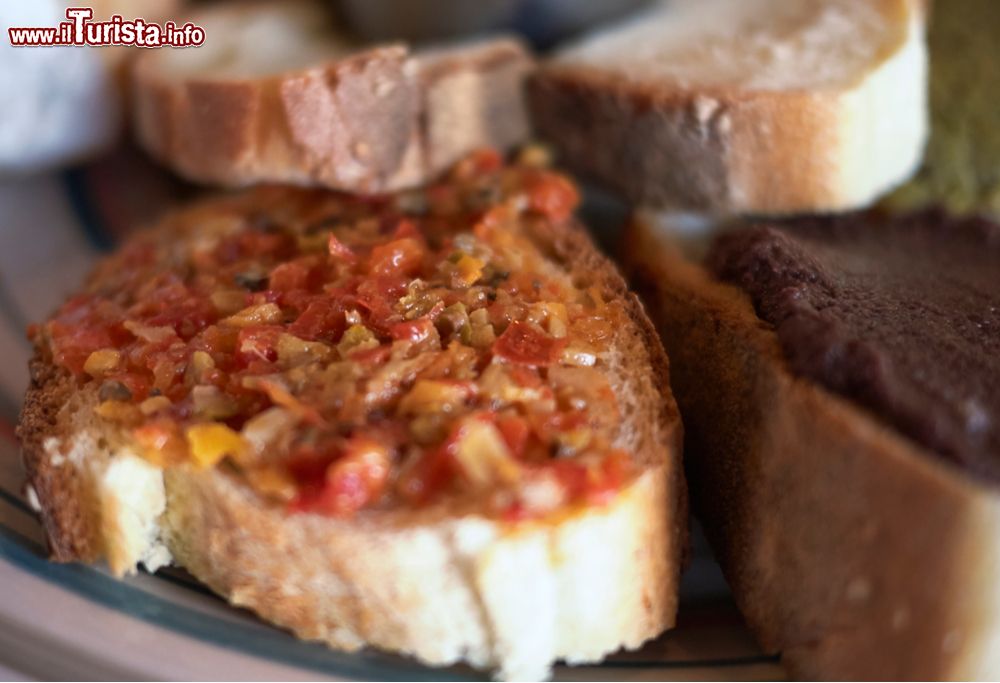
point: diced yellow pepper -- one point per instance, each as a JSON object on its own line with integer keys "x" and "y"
{"x": 117, "y": 411}
{"x": 259, "y": 314}
{"x": 469, "y": 269}
{"x": 357, "y": 338}
{"x": 102, "y": 362}
{"x": 211, "y": 442}
{"x": 484, "y": 457}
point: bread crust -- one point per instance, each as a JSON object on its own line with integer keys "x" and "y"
{"x": 849, "y": 549}
{"x": 735, "y": 150}
{"x": 369, "y": 122}
{"x": 440, "y": 584}
{"x": 65, "y": 508}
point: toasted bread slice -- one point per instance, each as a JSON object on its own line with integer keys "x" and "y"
{"x": 279, "y": 94}
{"x": 449, "y": 579}
{"x": 732, "y": 106}
{"x": 849, "y": 548}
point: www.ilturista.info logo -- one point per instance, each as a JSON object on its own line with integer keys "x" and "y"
{"x": 82, "y": 30}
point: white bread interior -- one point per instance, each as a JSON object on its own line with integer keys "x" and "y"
{"x": 745, "y": 106}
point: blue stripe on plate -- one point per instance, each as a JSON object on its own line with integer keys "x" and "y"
{"x": 85, "y": 211}
{"x": 15, "y": 501}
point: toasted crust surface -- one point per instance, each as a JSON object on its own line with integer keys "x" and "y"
{"x": 440, "y": 584}
{"x": 365, "y": 119}
{"x": 848, "y": 548}
{"x": 727, "y": 144}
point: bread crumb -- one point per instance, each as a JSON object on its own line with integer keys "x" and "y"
{"x": 32, "y": 498}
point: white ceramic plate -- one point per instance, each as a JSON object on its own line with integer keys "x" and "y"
{"x": 76, "y": 622}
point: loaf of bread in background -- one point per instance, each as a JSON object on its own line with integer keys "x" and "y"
{"x": 850, "y": 548}
{"x": 280, "y": 93}
{"x": 743, "y": 106}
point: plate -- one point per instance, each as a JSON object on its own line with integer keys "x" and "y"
{"x": 77, "y": 622}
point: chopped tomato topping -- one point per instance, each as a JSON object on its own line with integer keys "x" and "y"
{"x": 554, "y": 196}
{"x": 400, "y": 257}
{"x": 515, "y": 432}
{"x": 338, "y": 250}
{"x": 343, "y": 353}
{"x": 413, "y": 330}
{"x": 323, "y": 319}
{"x": 257, "y": 344}
{"x": 524, "y": 343}
{"x": 352, "y": 480}
{"x": 299, "y": 274}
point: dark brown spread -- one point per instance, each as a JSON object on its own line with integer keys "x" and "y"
{"x": 901, "y": 316}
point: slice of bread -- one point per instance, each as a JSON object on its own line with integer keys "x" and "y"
{"x": 737, "y": 106}
{"x": 445, "y": 582}
{"x": 849, "y": 548}
{"x": 278, "y": 93}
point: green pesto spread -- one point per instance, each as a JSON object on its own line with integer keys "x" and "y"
{"x": 962, "y": 165}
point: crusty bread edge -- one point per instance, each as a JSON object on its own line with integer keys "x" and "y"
{"x": 730, "y": 151}
{"x": 849, "y": 549}
{"x": 370, "y": 122}
{"x": 309, "y": 126}
{"x": 483, "y": 585}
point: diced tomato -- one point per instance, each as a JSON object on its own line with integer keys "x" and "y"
{"x": 322, "y": 320}
{"x": 81, "y": 327}
{"x": 412, "y": 330}
{"x": 71, "y": 348}
{"x": 428, "y": 476}
{"x": 612, "y": 475}
{"x": 301, "y": 273}
{"x": 548, "y": 426}
{"x": 245, "y": 244}
{"x": 218, "y": 341}
{"x": 487, "y": 159}
{"x": 553, "y": 196}
{"x": 307, "y": 466}
{"x": 258, "y": 343}
{"x": 525, "y": 376}
{"x": 402, "y": 257}
{"x": 596, "y": 484}
{"x": 378, "y": 296}
{"x": 405, "y": 228}
{"x": 481, "y": 161}
{"x": 340, "y": 251}
{"x": 515, "y": 512}
{"x": 376, "y": 356}
{"x": 356, "y": 477}
{"x": 515, "y": 432}
{"x": 524, "y": 343}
